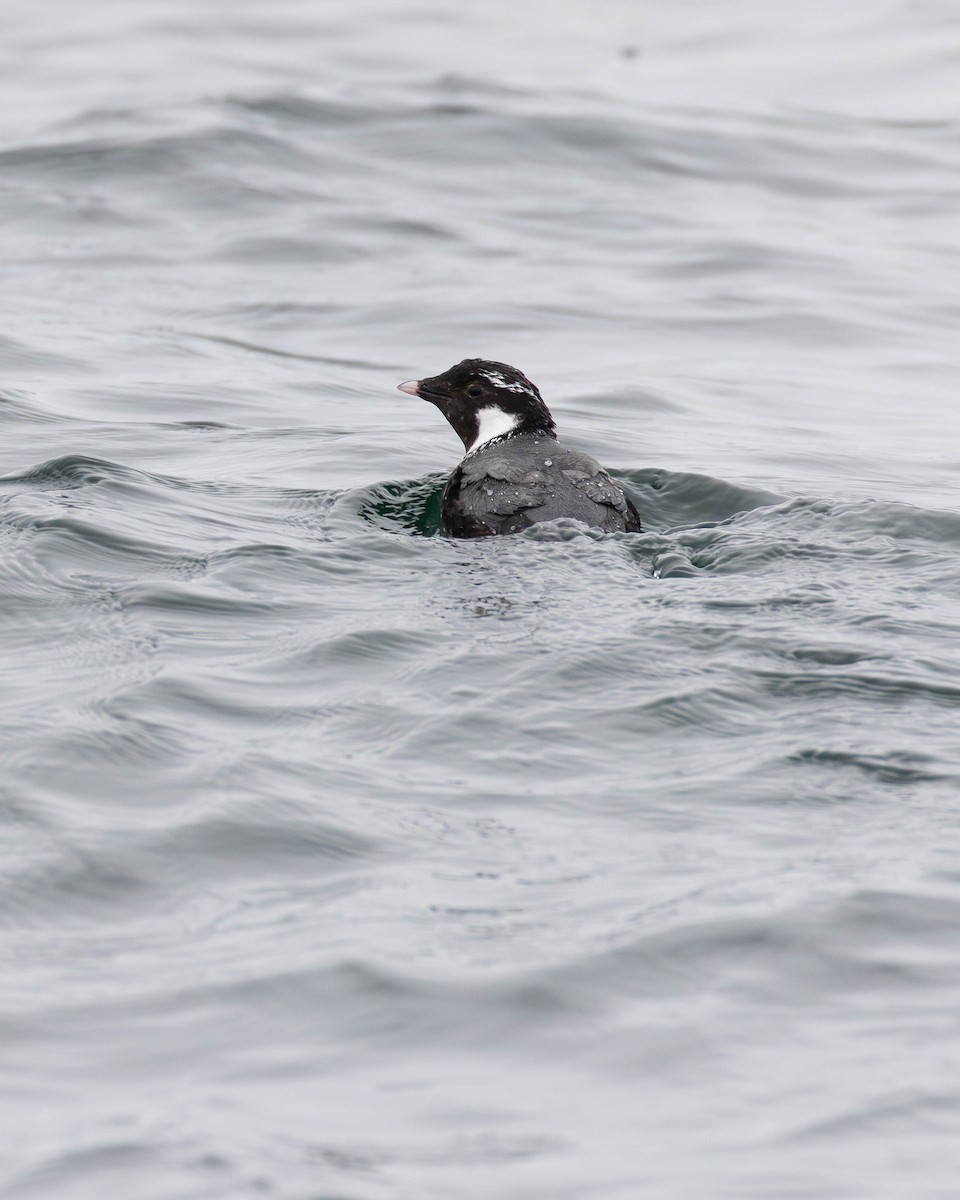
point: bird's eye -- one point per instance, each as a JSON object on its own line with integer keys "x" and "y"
{"x": 475, "y": 391}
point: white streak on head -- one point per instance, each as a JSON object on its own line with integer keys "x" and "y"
{"x": 508, "y": 385}
{"x": 493, "y": 422}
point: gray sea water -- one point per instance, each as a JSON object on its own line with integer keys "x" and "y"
{"x": 341, "y": 861}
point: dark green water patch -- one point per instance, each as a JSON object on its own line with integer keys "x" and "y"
{"x": 407, "y": 506}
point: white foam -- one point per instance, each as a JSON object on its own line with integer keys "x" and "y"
{"x": 508, "y": 385}
{"x": 493, "y": 422}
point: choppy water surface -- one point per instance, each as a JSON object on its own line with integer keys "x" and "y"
{"x": 344, "y": 862}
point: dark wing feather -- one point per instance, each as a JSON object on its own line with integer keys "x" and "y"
{"x": 592, "y": 480}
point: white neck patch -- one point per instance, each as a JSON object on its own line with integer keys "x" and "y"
{"x": 493, "y": 422}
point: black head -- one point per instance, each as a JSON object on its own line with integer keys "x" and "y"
{"x": 483, "y": 400}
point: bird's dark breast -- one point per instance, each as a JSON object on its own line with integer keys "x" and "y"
{"x": 455, "y": 518}
{"x": 508, "y": 488}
